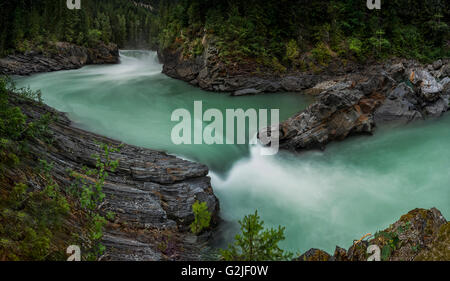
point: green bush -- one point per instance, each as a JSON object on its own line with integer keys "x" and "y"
{"x": 256, "y": 243}
{"x": 202, "y": 217}
{"x": 322, "y": 53}
{"x": 292, "y": 51}
{"x": 356, "y": 46}
{"x": 93, "y": 37}
{"x": 88, "y": 188}
{"x": 15, "y": 131}
{"x": 28, "y": 221}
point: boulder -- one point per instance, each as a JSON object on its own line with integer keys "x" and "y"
{"x": 399, "y": 106}
{"x": 437, "y": 108}
{"x": 445, "y": 82}
{"x": 437, "y": 64}
{"x": 314, "y": 255}
{"x": 335, "y": 115}
{"x": 429, "y": 87}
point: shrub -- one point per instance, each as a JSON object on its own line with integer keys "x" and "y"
{"x": 292, "y": 51}
{"x": 28, "y": 221}
{"x": 202, "y": 217}
{"x": 256, "y": 243}
{"x": 15, "y": 131}
{"x": 322, "y": 53}
{"x": 88, "y": 187}
{"x": 355, "y": 45}
{"x": 93, "y": 37}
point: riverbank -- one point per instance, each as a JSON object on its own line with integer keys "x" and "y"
{"x": 210, "y": 72}
{"x": 150, "y": 192}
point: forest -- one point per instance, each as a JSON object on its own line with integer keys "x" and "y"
{"x": 272, "y": 32}
{"x": 283, "y": 31}
{"x": 29, "y": 24}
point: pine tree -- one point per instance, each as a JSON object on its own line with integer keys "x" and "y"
{"x": 256, "y": 243}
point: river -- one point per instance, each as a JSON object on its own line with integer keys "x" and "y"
{"x": 323, "y": 198}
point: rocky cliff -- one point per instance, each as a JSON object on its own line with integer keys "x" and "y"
{"x": 420, "y": 235}
{"x": 151, "y": 192}
{"x": 58, "y": 56}
{"x": 210, "y": 73}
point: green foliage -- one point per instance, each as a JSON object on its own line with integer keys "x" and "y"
{"x": 256, "y": 31}
{"x": 93, "y": 37}
{"x": 322, "y": 53}
{"x": 356, "y": 46}
{"x": 15, "y": 131}
{"x": 88, "y": 187}
{"x": 202, "y": 217}
{"x": 28, "y": 219}
{"x": 256, "y": 243}
{"x": 390, "y": 243}
{"x": 28, "y": 24}
{"x": 292, "y": 51}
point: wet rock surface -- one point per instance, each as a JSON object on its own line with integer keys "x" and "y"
{"x": 58, "y": 56}
{"x": 420, "y": 235}
{"x": 151, "y": 193}
{"x": 358, "y": 103}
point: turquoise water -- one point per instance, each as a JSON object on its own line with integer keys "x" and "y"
{"x": 322, "y": 198}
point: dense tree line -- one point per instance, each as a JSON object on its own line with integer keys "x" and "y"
{"x": 282, "y": 30}
{"x": 30, "y": 23}
{"x": 272, "y": 32}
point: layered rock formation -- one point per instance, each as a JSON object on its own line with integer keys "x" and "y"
{"x": 58, "y": 56}
{"x": 210, "y": 73}
{"x": 151, "y": 193}
{"x": 356, "y": 103}
{"x": 420, "y": 235}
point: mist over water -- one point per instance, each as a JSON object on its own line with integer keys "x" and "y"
{"x": 323, "y": 199}
{"x": 354, "y": 187}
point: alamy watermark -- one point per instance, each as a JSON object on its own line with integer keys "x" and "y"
{"x": 74, "y": 253}
{"x": 76, "y": 4}
{"x": 73, "y": 4}
{"x": 374, "y": 4}
{"x": 235, "y": 123}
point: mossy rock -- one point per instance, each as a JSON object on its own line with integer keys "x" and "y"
{"x": 314, "y": 255}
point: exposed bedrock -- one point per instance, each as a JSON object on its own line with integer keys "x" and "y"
{"x": 209, "y": 73}
{"x": 58, "y": 56}
{"x": 151, "y": 192}
{"x": 356, "y": 103}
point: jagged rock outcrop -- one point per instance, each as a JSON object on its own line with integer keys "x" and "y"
{"x": 58, "y": 56}
{"x": 419, "y": 235}
{"x": 210, "y": 73}
{"x": 357, "y": 103}
{"x": 151, "y": 193}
